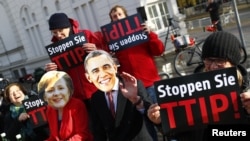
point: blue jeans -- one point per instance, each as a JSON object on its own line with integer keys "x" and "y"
{"x": 152, "y": 94}
{"x": 150, "y": 126}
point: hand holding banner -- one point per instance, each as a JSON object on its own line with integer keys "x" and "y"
{"x": 36, "y": 108}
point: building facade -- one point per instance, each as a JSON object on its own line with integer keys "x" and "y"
{"x": 24, "y": 31}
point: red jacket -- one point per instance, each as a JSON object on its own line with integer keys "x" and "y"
{"x": 139, "y": 60}
{"x": 82, "y": 88}
{"x": 74, "y": 123}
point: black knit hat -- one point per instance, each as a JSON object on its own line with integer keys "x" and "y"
{"x": 59, "y": 21}
{"x": 222, "y": 44}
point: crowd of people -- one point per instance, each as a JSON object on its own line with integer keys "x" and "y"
{"x": 100, "y": 100}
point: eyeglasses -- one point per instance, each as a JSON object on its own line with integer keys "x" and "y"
{"x": 217, "y": 61}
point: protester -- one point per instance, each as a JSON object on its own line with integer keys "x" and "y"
{"x": 62, "y": 27}
{"x": 213, "y": 8}
{"x": 220, "y": 50}
{"x": 67, "y": 116}
{"x": 17, "y": 121}
{"x": 140, "y": 55}
{"x": 129, "y": 97}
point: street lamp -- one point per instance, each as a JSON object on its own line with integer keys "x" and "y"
{"x": 240, "y": 30}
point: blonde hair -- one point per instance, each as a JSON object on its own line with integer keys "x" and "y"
{"x": 51, "y": 76}
{"x": 240, "y": 78}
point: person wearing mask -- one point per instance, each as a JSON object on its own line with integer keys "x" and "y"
{"x": 220, "y": 50}
{"x": 140, "y": 55}
{"x": 17, "y": 120}
{"x": 62, "y": 27}
{"x": 213, "y": 9}
{"x": 119, "y": 105}
{"x": 67, "y": 116}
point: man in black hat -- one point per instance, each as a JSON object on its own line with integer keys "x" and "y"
{"x": 119, "y": 105}
{"x": 62, "y": 27}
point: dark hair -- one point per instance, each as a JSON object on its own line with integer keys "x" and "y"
{"x": 114, "y": 9}
{"x": 7, "y": 90}
{"x": 96, "y": 53}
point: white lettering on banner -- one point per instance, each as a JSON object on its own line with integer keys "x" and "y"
{"x": 133, "y": 38}
{"x": 220, "y": 80}
{"x": 183, "y": 89}
{"x": 36, "y": 103}
{"x": 63, "y": 47}
{"x": 129, "y": 40}
{"x": 60, "y": 48}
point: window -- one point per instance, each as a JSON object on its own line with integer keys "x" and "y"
{"x": 158, "y": 14}
{"x": 33, "y": 32}
{"x": 86, "y": 10}
{"x": 23, "y": 71}
{"x": 16, "y": 74}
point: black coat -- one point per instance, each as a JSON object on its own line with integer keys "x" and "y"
{"x": 213, "y": 9}
{"x": 127, "y": 123}
{"x": 12, "y": 127}
{"x": 202, "y": 134}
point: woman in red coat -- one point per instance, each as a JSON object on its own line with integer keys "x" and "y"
{"x": 67, "y": 116}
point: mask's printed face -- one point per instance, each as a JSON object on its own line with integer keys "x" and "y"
{"x": 101, "y": 72}
{"x": 57, "y": 93}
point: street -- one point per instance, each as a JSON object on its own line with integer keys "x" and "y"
{"x": 165, "y": 62}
